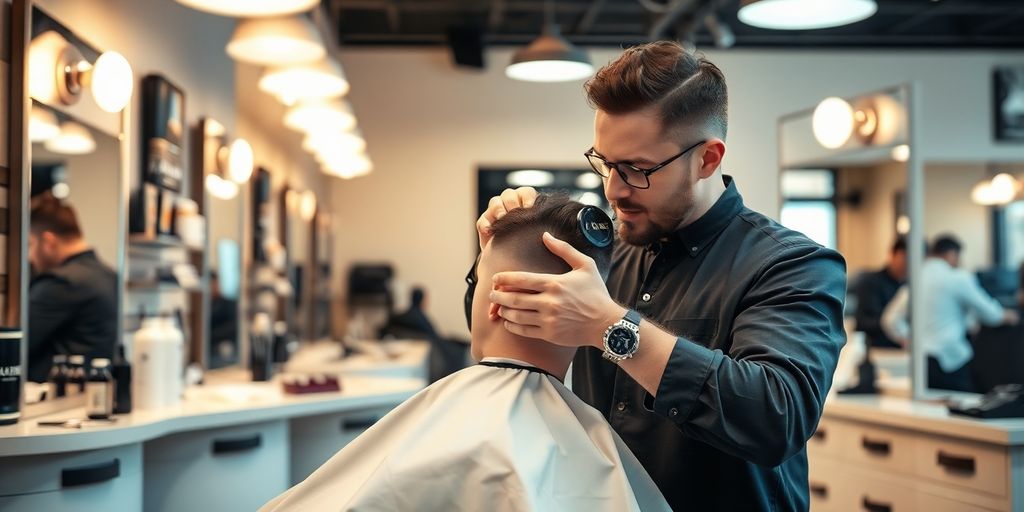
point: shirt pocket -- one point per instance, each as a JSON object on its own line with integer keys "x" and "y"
{"x": 702, "y": 331}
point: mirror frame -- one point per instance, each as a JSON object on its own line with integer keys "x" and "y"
{"x": 19, "y": 191}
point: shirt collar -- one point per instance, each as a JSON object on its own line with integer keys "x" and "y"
{"x": 86, "y": 254}
{"x": 694, "y": 237}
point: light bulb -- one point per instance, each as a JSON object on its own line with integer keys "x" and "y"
{"x": 328, "y": 141}
{"x": 240, "y": 161}
{"x": 832, "y": 122}
{"x": 320, "y": 116}
{"x": 221, "y": 188}
{"x": 316, "y": 81}
{"x": 112, "y": 82}
{"x": 276, "y": 41}
{"x": 307, "y": 206}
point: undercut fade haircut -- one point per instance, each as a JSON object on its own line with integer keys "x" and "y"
{"x": 686, "y": 89}
{"x": 51, "y": 214}
{"x": 518, "y": 235}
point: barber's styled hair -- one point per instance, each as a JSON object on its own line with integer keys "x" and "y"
{"x": 520, "y": 231}
{"x": 945, "y": 243}
{"x": 50, "y": 214}
{"x": 687, "y": 89}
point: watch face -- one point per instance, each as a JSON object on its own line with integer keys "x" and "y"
{"x": 621, "y": 341}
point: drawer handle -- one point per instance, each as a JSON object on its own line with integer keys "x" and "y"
{"x": 90, "y": 474}
{"x": 876, "y": 447}
{"x": 956, "y": 463}
{"x": 875, "y": 506}
{"x": 820, "y": 434}
{"x": 241, "y": 444}
{"x": 357, "y": 423}
{"x": 819, "y": 490}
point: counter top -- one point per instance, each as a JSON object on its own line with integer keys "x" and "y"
{"x": 934, "y": 418}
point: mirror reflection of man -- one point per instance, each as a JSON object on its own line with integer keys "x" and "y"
{"x": 875, "y": 290}
{"x": 73, "y": 295}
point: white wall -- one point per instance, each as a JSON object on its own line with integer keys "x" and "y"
{"x": 429, "y": 126}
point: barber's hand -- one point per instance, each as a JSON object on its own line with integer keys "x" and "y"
{"x": 1010, "y": 317}
{"x": 571, "y": 309}
{"x": 522, "y": 197}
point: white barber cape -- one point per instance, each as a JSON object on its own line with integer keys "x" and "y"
{"x": 487, "y": 438}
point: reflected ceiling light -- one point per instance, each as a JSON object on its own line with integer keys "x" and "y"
{"x": 832, "y": 122}
{"x": 804, "y": 14}
{"x": 58, "y": 73}
{"x": 320, "y": 116}
{"x": 1000, "y": 190}
{"x": 901, "y": 153}
{"x": 590, "y": 198}
{"x": 276, "y": 41}
{"x": 903, "y": 225}
{"x": 240, "y": 161}
{"x": 74, "y": 139}
{"x": 60, "y": 190}
{"x": 530, "y": 178}
{"x": 319, "y": 80}
{"x": 550, "y": 58}
{"x": 221, "y": 188}
{"x": 589, "y": 180}
{"x": 321, "y": 142}
{"x": 307, "y": 206}
{"x": 251, "y": 8}
{"x": 42, "y": 125}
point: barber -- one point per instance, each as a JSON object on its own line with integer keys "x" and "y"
{"x": 712, "y": 345}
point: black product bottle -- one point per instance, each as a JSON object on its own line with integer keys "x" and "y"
{"x": 10, "y": 375}
{"x": 57, "y": 380}
{"x": 122, "y": 373}
{"x": 99, "y": 390}
{"x": 76, "y": 375}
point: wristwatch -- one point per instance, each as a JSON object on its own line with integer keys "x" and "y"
{"x": 622, "y": 339}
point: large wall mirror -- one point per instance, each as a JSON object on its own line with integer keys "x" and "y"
{"x": 299, "y": 214}
{"x": 846, "y": 181}
{"x": 75, "y": 150}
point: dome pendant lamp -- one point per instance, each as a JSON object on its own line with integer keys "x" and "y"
{"x": 804, "y": 14}
{"x": 550, "y": 58}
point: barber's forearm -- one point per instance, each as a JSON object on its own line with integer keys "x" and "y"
{"x": 647, "y": 366}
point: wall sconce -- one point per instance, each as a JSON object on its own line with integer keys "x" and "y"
{"x": 319, "y": 80}
{"x": 240, "y": 161}
{"x": 307, "y": 206}
{"x": 221, "y": 188}
{"x": 873, "y": 121}
{"x": 832, "y": 122}
{"x": 59, "y": 73}
{"x": 228, "y": 165}
{"x": 73, "y": 139}
{"x": 276, "y": 41}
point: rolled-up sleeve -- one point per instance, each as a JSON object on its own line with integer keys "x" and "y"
{"x": 761, "y": 401}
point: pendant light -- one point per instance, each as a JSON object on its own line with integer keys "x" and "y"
{"x": 320, "y": 116}
{"x": 319, "y": 80}
{"x": 251, "y": 8}
{"x": 804, "y": 14}
{"x": 550, "y": 58}
{"x": 276, "y": 41}
{"x": 73, "y": 139}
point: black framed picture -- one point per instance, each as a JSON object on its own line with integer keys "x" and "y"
{"x": 1009, "y": 103}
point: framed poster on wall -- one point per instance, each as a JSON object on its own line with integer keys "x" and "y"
{"x": 1009, "y": 103}
{"x": 163, "y": 172}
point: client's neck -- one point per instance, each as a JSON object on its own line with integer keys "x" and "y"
{"x": 553, "y": 359}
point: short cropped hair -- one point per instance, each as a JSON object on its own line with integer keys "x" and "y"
{"x": 900, "y": 245}
{"x": 51, "y": 214}
{"x": 686, "y": 88}
{"x": 944, "y": 244}
{"x": 519, "y": 233}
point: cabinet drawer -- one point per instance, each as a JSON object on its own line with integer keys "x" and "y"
{"x": 867, "y": 494}
{"x": 973, "y": 465}
{"x": 929, "y": 503}
{"x": 826, "y": 439}
{"x": 314, "y": 439}
{"x": 826, "y": 485}
{"x": 70, "y": 470}
{"x": 878, "y": 448}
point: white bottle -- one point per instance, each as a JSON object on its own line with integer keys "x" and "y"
{"x": 149, "y": 359}
{"x": 174, "y": 343}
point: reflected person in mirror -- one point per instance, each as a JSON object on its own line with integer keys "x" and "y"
{"x": 875, "y": 290}
{"x": 72, "y": 296}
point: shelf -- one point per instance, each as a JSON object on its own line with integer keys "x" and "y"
{"x": 160, "y": 242}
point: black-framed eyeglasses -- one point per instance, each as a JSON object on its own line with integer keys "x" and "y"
{"x": 630, "y": 174}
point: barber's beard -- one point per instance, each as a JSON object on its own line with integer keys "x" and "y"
{"x": 659, "y": 221}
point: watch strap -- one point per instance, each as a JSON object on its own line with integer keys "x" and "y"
{"x": 632, "y": 316}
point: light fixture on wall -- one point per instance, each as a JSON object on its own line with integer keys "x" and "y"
{"x": 221, "y": 188}
{"x": 251, "y": 8}
{"x": 804, "y": 14}
{"x": 42, "y": 125}
{"x": 307, "y": 205}
{"x": 59, "y": 73}
{"x": 1000, "y": 190}
{"x": 320, "y": 80}
{"x": 550, "y": 57}
{"x": 320, "y": 116}
{"x": 832, "y": 122}
{"x": 73, "y": 139}
{"x": 900, "y": 153}
{"x": 240, "y": 161}
{"x": 276, "y": 41}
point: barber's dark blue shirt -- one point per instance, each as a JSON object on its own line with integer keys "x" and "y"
{"x": 758, "y": 310}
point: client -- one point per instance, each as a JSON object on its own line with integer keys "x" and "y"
{"x": 503, "y": 435}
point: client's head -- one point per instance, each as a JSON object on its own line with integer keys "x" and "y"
{"x": 516, "y": 245}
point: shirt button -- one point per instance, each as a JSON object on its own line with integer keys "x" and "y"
{"x": 646, "y": 297}
{"x": 621, "y": 406}
{"x": 673, "y": 412}
{"x": 694, "y": 248}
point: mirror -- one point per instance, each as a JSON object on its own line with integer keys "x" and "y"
{"x": 300, "y": 210}
{"x": 77, "y": 145}
{"x": 224, "y": 256}
{"x": 583, "y": 185}
{"x": 978, "y": 205}
{"x": 844, "y": 182}
{"x": 323, "y": 244}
